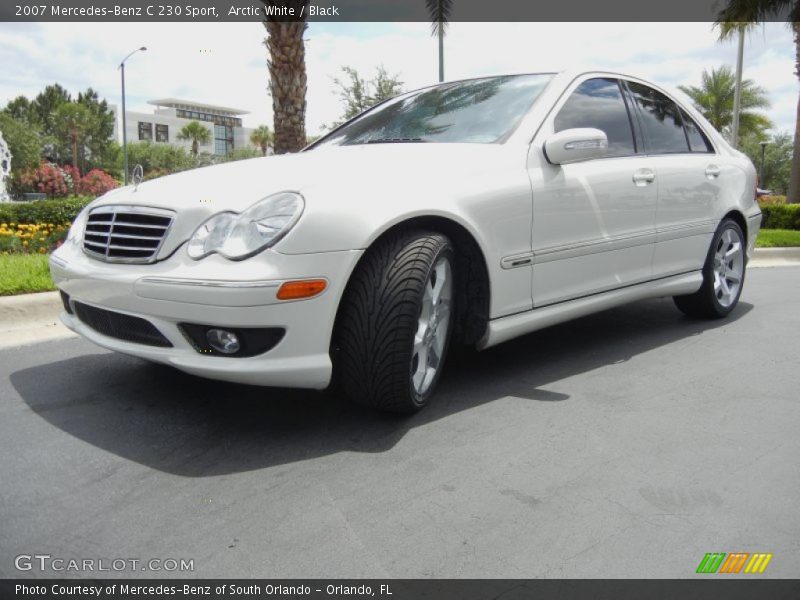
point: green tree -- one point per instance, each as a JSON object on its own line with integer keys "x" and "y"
{"x": 72, "y": 122}
{"x": 287, "y": 76}
{"x": 777, "y": 160}
{"x": 262, "y": 137}
{"x": 714, "y": 98}
{"x": 99, "y": 149}
{"x": 358, "y": 94}
{"x": 24, "y": 142}
{"x": 20, "y": 108}
{"x": 45, "y": 106}
{"x": 197, "y": 133}
{"x": 747, "y": 13}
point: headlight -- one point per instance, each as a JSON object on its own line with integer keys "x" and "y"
{"x": 75, "y": 233}
{"x": 238, "y": 236}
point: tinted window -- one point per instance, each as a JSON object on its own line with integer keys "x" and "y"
{"x": 478, "y": 110}
{"x": 661, "y": 120}
{"x": 598, "y": 103}
{"x": 698, "y": 142}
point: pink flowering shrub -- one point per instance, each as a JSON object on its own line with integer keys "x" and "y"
{"x": 95, "y": 183}
{"x": 58, "y": 182}
{"x": 48, "y": 179}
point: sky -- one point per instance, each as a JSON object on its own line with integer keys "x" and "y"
{"x": 225, "y": 63}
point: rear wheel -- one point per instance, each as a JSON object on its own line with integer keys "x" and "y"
{"x": 395, "y": 322}
{"x": 723, "y": 275}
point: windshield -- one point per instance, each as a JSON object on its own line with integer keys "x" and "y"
{"x": 476, "y": 111}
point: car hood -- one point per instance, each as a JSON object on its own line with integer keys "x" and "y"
{"x": 340, "y": 179}
{"x": 236, "y": 185}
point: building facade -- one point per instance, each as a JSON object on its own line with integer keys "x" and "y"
{"x": 170, "y": 116}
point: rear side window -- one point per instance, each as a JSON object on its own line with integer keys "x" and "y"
{"x": 698, "y": 142}
{"x": 598, "y": 103}
{"x": 661, "y": 120}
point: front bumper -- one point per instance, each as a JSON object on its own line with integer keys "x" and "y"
{"x": 215, "y": 291}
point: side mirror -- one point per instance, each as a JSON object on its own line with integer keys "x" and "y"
{"x": 573, "y": 145}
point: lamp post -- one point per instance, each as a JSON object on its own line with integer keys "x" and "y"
{"x": 124, "y": 122}
{"x": 737, "y": 90}
{"x": 761, "y": 170}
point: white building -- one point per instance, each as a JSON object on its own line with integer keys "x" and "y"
{"x": 171, "y": 115}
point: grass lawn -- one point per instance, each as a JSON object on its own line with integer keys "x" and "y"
{"x": 23, "y": 273}
{"x": 778, "y": 238}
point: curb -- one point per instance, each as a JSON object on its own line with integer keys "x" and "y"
{"x": 31, "y": 318}
{"x": 775, "y": 257}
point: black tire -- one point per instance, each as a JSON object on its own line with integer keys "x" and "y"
{"x": 705, "y": 303}
{"x": 378, "y": 319}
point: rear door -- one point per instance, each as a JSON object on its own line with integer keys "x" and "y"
{"x": 689, "y": 174}
{"x": 593, "y": 221}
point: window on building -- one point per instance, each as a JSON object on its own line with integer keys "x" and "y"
{"x": 162, "y": 133}
{"x": 598, "y": 103}
{"x": 223, "y": 139}
{"x": 145, "y": 131}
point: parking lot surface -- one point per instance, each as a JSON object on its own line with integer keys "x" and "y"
{"x": 625, "y": 444}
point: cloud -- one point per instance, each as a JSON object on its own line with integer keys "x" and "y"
{"x": 225, "y": 63}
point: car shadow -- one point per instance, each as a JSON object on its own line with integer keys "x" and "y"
{"x": 193, "y": 427}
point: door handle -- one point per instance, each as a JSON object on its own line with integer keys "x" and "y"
{"x": 643, "y": 177}
{"x": 712, "y": 171}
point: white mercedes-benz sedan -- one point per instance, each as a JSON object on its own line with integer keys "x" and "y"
{"x": 469, "y": 212}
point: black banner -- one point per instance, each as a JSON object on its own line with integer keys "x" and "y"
{"x": 734, "y": 588}
{"x": 357, "y": 10}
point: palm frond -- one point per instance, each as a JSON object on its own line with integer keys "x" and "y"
{"x": 440, "y": 12}
{"x": 746, "y": 14}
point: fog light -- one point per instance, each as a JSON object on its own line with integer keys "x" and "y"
{"x": 223, "y": 341}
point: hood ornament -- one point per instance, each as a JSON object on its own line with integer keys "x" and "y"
{"x": 137, "y": 176}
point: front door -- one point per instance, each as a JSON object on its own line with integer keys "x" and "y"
{"x": 593, "y": 221}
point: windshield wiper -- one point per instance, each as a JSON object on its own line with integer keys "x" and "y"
{"x": 394, "y": 140}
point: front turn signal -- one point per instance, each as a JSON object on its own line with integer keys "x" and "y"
{"x": 306, "y": 288}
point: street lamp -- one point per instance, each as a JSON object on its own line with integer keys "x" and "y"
{"x": 124, "y": 123}
{"x": 761, "y": 170}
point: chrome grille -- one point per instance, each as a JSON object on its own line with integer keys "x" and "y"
{"x": 126, "y": 233}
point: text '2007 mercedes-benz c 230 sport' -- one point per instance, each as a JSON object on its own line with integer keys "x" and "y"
{"x": 468, "y": 212}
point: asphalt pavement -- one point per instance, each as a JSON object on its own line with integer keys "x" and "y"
{"x": 624, "y": 444}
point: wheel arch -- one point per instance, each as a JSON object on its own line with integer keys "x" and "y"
{"x": 739, "y": 218}
{"x": 472, "y": 274}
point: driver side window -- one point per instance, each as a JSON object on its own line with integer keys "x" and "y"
{"x": 598, "y": 103}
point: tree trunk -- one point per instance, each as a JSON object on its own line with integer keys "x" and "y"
{"x": 74, "y": 143}
{"x": 793, "y": 195}
{"x": 195, "y": 147}
{"x": 287, "y": 71}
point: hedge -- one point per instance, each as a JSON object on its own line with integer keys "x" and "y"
{"x": 56, "y": 212}
{"x": 781, "y": 216}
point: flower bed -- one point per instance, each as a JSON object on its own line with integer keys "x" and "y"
{"x": 31, "y": 238}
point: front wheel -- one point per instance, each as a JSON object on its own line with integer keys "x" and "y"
{"x": 395, "y": 322}
{"x": 723, "y": 275}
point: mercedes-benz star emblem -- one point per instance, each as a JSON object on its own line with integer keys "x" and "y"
{"x": 138, "y": 175}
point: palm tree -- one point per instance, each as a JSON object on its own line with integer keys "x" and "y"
{"x": 71, "y": 122}
{"x": 197, "y": 133}
{"x": 714, "y": 98}
{"x": 439, "y": 11}
{"x": 261, "y": 137}
{"x": 287, "y": 73}
{"x": 749, "y": 12}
